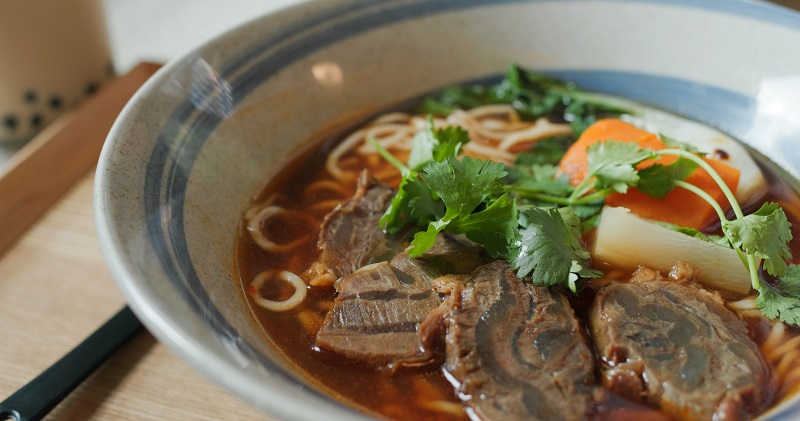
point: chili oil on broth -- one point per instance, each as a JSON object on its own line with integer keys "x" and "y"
{"x": 307, "y": 191}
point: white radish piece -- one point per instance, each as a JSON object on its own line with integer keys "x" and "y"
{"x": 625, "y": 240}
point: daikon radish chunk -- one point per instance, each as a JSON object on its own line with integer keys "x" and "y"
{"x": 625, "y": 240}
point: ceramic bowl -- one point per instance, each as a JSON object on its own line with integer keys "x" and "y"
{"x": 193, "y": 145}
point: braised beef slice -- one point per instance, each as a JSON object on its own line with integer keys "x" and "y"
{"x": 376, "y": 314}
{"x": 350, "y": 236}
{"x": 678, "y": 348}
{"x": 451, "y": 254}
{"x": 516, "y": 352}
{"x": 379, "y": 308}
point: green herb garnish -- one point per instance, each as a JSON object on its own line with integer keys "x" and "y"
{"x": 532, "y": 94}
{"x": 470, "y": 197}
{"x": 531, "y": 216}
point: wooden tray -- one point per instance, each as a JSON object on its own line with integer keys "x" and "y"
{"x": 57, "y": 289}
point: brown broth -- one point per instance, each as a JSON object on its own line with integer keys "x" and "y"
{"x": 407, "y": 394}
{"x": 396, "y": 396}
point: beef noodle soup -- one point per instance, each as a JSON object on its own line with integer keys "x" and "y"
{"x": 527, "y": 250}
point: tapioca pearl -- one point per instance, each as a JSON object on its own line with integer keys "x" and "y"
{"x": 36, "y": 120}
{"x": 55, "y": 102}
{"x": 91, "y": 88}
{"x": 30, "y": 96}
{"x": 10, "y": 122}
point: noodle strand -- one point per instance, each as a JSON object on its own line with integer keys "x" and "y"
{"x": 297, "y": 297}
{"x": 257, "y": 220}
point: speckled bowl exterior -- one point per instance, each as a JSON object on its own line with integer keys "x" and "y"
{"x": 193, "y": 145}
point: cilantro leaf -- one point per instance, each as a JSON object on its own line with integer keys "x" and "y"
{"x": 658, "y": 180}
{"x": 782, "y": 301}
{"x": 494, "y": 227}
{"x": 392, "y": 220}
{"x": 436, "y": 145}
{"x": 464, "y": 184}
{"x": 612, "y": 164}
{"x": 549, "y": 150}
{"x": 549, "y": 248}
{"x": 533, "y": 93}
{"x": 573, "y": 223}
{"x": 543, "y": 179}
{"x": 423, "y": 144}
{"x": 414, "y": 202}
{"x": 591, "y": 220}
{"x": 449, "y": 141}
{"x": 777, "y": 306}
{"x": 424, "y": 240}
{"x": 677, "y": 144}
{"x": 790, "y": 281}
{"x": 764, "y": 234}
{"x": 588, "y": 210}
{"x": 655, "y": 181}
{"x": 414, "y": 199}
{"x": 423, "y": 205}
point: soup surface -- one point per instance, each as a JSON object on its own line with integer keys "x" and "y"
{"x": 278, "y": 250}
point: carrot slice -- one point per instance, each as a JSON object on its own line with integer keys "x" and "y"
{"x": 680, "y": 206}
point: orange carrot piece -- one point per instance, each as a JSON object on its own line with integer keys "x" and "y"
{"x": 680, "y": 206}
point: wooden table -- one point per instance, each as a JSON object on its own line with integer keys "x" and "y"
{"x": 56, "y": 288}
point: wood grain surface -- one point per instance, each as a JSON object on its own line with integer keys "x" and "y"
{"x": 56, "y": 290}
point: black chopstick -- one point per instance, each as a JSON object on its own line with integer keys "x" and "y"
{"x": 34, "y": 400}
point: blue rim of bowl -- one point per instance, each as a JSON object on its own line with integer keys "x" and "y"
{"x": 167, "y": 177}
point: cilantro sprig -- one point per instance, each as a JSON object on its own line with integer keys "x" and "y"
{"x": 760, "y": 236}
{"x": 463, "y": 186}
{"x": 612, "y": 169}
{"x": 440, "y": 192}
{"x": 550, "y": 248}
{"x": 415, "y": 202}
